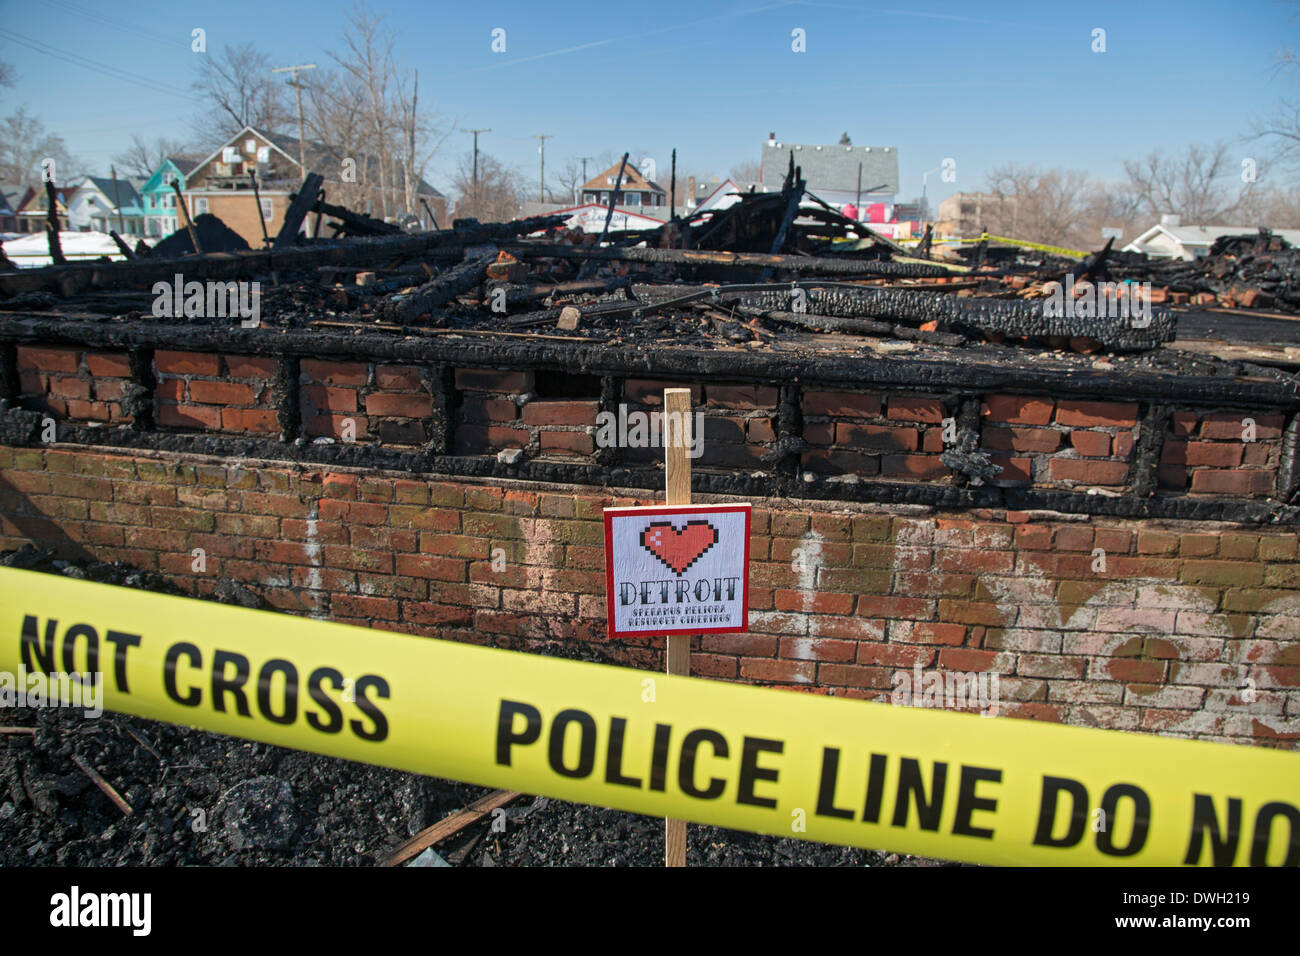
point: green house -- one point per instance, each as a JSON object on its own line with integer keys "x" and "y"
{"x": 159, "y": 199}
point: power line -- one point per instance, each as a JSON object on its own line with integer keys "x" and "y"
{"x": 116, "y": 25}
{"x": 78, "y": 60}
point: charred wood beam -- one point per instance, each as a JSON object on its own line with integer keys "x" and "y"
{"x": 52, "y": 224}
{"x": 844, "y": 220}
{"x": 1143, "y": 479}
{"x": 611, "y": 393}
{"x": 743, "y": 260}
{"x": 301, "y": 204}
{"x": 257, "y": 198}
{"x": 1009, "y": 317}
{"x": 10, "y": 385}
{"x": 250, "y": 264}
{"x": 121, "y": 245}
{"x": 286, "y": 394}
{"x": 185, "y": 213}
{"x": 1288, "y": 470}
{"x": 790, "y": 443}
{"x": 138, "y": 395}
{"x": 965, "y": 457}
{"x": 744, "y": 484}
{"x": 609, "y": 213}
{"x": 439, "y": 378}
{"x": 405, "y": 308}
{"x": 356, "y": 224}
{"x": 832, "y": 323}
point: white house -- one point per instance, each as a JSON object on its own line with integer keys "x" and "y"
{"x": 590, "y": 217}
{"x": 1169, "y": 239}
{"x": 100, "y": 204}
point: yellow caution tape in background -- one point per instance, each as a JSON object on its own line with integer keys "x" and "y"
{"x": 911, "y": 780}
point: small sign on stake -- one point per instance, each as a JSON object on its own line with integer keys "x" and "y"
{"x": 677, "y": 569}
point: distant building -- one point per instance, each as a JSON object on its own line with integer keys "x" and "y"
{"x": 31, "y": 209}
{"x": 965, "y": 215}
{"x": 100, "y": 204}
{"x": 635, "y": 190}
{"x": 158, "y": 199}
{"x": 590, "y": 217}
{"x": 834, "y": 173}
{"x": 10, "y": 197}
{"x": 1170, "y": 239}
{"x": 219, "y": 184}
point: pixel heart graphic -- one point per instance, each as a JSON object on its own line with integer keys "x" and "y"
{"x": 679, "y": 549}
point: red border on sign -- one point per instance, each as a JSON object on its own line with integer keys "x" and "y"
{"x": 611, "y": 513}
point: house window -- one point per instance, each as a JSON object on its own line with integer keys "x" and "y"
{"x": 200, "y": 205}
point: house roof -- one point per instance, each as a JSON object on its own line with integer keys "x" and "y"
{"x": 122, "y": 193}
{"x": 185, "y": 164}
{"x": 832, "y": 167}
{"x": 1198, "y": 236}
{"x": 633, "y": 181}
{"x": 319, "y": 156}
{"x": 316, "y": 155}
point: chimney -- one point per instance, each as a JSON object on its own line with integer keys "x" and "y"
{"x": 690, "y": 192}
{"x": 771, "y": 137}
{"x": 1169, "y": 219}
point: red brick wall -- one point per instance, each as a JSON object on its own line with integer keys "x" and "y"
{"x": 1191, "y": 630}
{"x": 211, "y": 392}
{"x": 73, "y": 384}
{"x": 1040, "y": 442}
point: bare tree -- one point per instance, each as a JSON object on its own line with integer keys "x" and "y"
{"x": 8, "y": 75}
{"x": 747, "y": 172}
{"x": 1049, "y": 206}
{"x": 1195, "y": 186}
{"x": 1270, "y": 208}
{"x": 143, "y": 158}
{"x": 239, "y": 90}
{"x": 566, "y": 182}
{"x": 497, "y": 194}
{"x": 24, "y": 142}
{"x": 367, "y": 107}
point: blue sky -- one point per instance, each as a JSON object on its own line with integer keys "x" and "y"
{"x": 982, "y": 83}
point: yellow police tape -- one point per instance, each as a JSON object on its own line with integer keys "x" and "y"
{"x": 912, "y": 780}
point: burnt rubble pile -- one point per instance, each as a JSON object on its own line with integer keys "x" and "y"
{"x": 1253, "y": 271}
{"x": 769, "y": 268}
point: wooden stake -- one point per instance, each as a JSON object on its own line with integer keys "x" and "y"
{"x": 677, "y": 485}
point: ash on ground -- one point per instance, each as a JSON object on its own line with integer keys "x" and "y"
{"x": 199, "y": 798}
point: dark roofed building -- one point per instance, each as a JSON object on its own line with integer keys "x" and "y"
{"x": 832, "y": 172}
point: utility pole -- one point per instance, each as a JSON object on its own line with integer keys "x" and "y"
{"x": 584, "y": 171}
{"x": 474, "y": 181}
{"x": 541, "y": 182}
{"x": 297, "y": 88}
